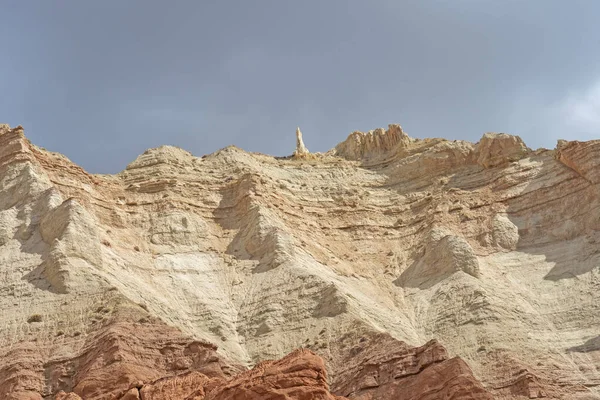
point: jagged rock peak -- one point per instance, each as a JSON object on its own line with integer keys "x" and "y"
{"x": 580, "y": 157}
{"x": 162, "y": 155}
{"x": 301, "y": 149}
{"x": 496, "y": 149}
{"x": 360, "y": 145}
{"x": 5, "y": 128}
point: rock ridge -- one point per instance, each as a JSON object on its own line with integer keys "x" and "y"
{"x": 489, "y": 248}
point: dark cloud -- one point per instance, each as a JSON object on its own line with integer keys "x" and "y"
{"x": 103, "y": 81}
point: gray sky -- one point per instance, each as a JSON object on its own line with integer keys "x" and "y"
{"x": 101, "y": 81}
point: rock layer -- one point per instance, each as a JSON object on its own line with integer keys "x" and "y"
{"x": 489, "y": 248}
{"x": 374, "y": 143}
{"x": 382, "y": 369}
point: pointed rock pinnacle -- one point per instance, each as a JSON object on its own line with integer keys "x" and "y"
{"x": 300, "y": 147}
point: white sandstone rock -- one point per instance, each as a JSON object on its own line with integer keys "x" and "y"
{"x": 301, "y": 149}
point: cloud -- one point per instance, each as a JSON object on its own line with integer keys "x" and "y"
{"x": 582, "y": 110}
{"x": 541, "y": 117}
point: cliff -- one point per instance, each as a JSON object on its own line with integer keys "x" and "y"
{"x": 411, "y": 269}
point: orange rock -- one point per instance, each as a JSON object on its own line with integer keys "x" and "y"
{"x": 381, "y": 367}
{"x": 192, "y": 386}
{"x": 66, "y": 396}
{"x": 299, "y": 375}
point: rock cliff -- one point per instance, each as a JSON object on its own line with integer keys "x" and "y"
{"x": 401, "y": 268}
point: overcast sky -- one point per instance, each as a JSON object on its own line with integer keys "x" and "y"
{"x": 101, "y": 81}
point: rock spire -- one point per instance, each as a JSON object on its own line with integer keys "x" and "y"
{"x": 301, "y": 149}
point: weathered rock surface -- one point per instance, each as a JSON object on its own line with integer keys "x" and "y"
{"x": 444, "y": 255}
{"x": 581, "y": 157}
{"x": 299, "y": 375}
{"x": 381, "y": 367}
{"x": 498, "y": 149}
{"x": 491, "y": 248}
{"x": 115, "y": 355}
{"x": 378, "y": 142}
{"x": 301, "y": 149}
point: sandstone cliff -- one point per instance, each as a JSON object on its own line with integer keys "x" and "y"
{"x": 128, "y": 283}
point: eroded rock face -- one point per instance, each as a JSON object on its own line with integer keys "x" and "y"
{"x": 66, "y": 396}
{"x": 581, "y": 157}
{"x": 75, "y": 248}
{"x": 300, "y": 375}
{"x": 361, "y": 145}
{"x": 117, "y": 276}
{"x": 504, "y": 232}
{"x": 381, "y": 367}
{"x": 444, "y": 255}
{"x": 117, "y": 355}
{"x": 497, "y": 149}
{"x": 193, "y": 385}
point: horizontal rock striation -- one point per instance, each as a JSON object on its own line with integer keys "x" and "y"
{"x": 381, "y": 367}
{"x": 384, "y": 369}
{"x": 490, "y": 248}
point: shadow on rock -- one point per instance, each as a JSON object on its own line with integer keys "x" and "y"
{"x": 557, "y": 216}
{"x": 589, "y": 346}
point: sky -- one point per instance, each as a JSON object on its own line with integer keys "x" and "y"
{"x": 102, "y": 81}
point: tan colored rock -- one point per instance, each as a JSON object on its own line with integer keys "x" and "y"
{"x": 581, "y": 157}
{"x": 444, "y": 255}
{"x": 105, "y": 276}
{"x": 75, "y": 247}
{"x": 132, "y": 394}
{"x": 4, "y": 128}
{"x": 66, "y": 396}
{"x": 178, "y": 228}
{"x": 361, "y": 145}
{"x": 301, "y": 149}
{"x": 504, "y": 232}
{"x": 497, "y": 149}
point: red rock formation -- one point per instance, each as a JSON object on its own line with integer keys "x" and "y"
{"x": 117, "y": 357}
{"x": 376, "y": 368}
{"x": 129, "y": 355}
{"x": 194, "y": 385}
{"x": 381, "y": 367}
{"x": 300, "y": 375}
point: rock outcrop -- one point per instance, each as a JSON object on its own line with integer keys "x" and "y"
{"x": 444, "y": 255}
{"x": 299, "y": 375}
{"x": 301, "y": 149}
{"x": 498, "y": 149}
{"x": 187, "y": 272}
{"x": 378, "y": 142}
{"x": 581, "y": 157}
{"x": 380, "y": 367}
